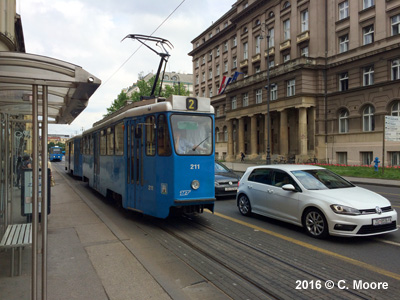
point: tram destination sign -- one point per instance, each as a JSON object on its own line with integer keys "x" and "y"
{"x": 392, "y": 129}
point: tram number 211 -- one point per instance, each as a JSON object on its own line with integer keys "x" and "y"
{"x": 194, "y": 166}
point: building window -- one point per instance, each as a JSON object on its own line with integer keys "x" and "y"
{"x": 394, "y": 158}
{"x": 291, "y": 87}
{"x": 217, "y": 71}
{"x": 234, "y": 42}
{"x": 368, "y": 118}
{"x": 304, "y": 51}
{"x": 258, "y": 44}
{"x": 225, "y": 134}
{"x": 344, "y": 43}
{"x": 396, "y": 109}
{"x": 344, "y": 121}
{"x": 197, "y": 79}
{"x": 344, "y": 81}
{"x": 271, "y": 33}
{"x": 210, "y": 93}
{"x": 342, "y": 158}
{"x": 217, "y": 114}
{"x": 204, "y": 60}
{"x": 304, "y": 20}
{"x": 286, "y": 4}
{"x": 245, "y": 50}
{"x": 258, "y": 96}
{"x": 395, "y": 21}
{"x": 274, "y": 91}
{"x": 368, "y": 75}
{"x": 210, "y": 74}
{"x": 368, "y": 34}
{"x": 245, "y": 99}
{"x": 396, "y": 69}
{"x": 217, "y": 135}
{"x": 366, "y": 158}
{"x": 257, "y": 69}
{"x": 271, "y": 63}
{"x": 286, "y": 57}
{"x": 225, "y": 66}
{"x": 368, "y": 3}
{"x": 217, "y": 52}
{"x": 286, "y": 29}
{"x": 225, "y": 46}
{"x": 234, "y": 102}
{"x": 210, "y": 56}
{"x": 234, "y": 63}
{"x": 343, "y": 10}
{"x": 203, "y": 77}
{"x": 197, "y": 63}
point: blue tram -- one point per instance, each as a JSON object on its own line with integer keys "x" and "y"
{"x": 55, "y": 153}
{"x": 156, "y": 158}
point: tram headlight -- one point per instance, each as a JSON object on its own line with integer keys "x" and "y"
{"x": 195, "y": 184}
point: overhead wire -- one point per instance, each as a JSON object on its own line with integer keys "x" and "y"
{"x": 123, "y": 64}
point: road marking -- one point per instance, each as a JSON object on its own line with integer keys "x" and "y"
{"x": 388, "y": 242}
{"x": 312, "y": 247}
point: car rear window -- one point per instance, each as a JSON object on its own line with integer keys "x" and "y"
{"x": 261, "y": 176}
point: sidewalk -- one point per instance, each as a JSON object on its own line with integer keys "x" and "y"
{"x": 241, "y": 167}
{"x": 91, "y": 258}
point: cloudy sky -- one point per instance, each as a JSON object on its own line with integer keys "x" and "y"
{"x": 88, "y": 33}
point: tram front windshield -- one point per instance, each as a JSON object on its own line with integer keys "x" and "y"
{"x": 192, "y": 134}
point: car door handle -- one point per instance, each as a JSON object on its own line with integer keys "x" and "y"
{"x": 250, "y": 186}
{"x": 270, "y": 191}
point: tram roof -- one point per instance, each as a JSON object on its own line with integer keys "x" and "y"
{"x": 69, "y": 86}
{"x": 173, "y": 103}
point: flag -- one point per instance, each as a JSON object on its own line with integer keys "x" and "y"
{"x": 224, "y": 84}
{"x": 236, "y": 75}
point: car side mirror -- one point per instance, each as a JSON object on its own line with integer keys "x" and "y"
{"x": 289, "y": 188}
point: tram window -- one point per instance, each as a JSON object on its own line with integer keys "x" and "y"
{"x": 119, "y": 139}
{"x": 91, "y": 144}
{"x": 163, "y": 140}
{"x": 150, "y": 136}
{"x": 110, "y": 141}
{"x": 193, "y": 135}
{"x": 103, "y": 143}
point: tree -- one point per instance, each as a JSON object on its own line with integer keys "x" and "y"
{"x": 117, "y": 103}
{"x": 145, "y": 90}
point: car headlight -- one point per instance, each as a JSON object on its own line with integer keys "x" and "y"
{"x": 216, "y": 183}
{"x": 344, "y": 210}
{"x": 195, "y": 184}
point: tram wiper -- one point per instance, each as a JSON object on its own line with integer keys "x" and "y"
{"x": 195, "y": 147}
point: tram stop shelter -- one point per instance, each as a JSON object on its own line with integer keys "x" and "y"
{"x": 34, "y": 92}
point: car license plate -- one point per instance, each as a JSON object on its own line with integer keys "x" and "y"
{"x": 231, "y": 189}
{"x": 381, "y": 221}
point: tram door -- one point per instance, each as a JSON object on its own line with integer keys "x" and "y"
{"x": 134, "y": 164}
{"x": 96, "y": 161}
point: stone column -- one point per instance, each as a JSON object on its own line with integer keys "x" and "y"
{"x": 266, "y": 136}
{"x": 241, "y": 136}
{"x": 229, "y": 125}
{"x": 302, "y": 135}
{"x": 283, "y": 134}
{"x": 253, "y": 137}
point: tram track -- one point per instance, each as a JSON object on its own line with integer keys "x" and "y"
{"x": 246, "y": 265}
{"x": 267, "y": 275}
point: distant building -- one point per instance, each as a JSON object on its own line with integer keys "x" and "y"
{"x": 57, "y": 138}
{"x": 170, "y": 78}
{"x": 334, "y": 76}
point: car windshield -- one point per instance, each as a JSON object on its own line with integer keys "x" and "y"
{"x": 321, "y": 179}
{"x": 220, "y": 169}
{"x": 192, "y": 134}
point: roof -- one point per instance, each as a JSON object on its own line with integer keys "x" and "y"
{"x": 69, "y": 86}
{"x": 286, "y": 167}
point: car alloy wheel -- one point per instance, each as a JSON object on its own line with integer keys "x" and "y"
{"x": 315, "y": 223}
{"x": 244, "y": 205}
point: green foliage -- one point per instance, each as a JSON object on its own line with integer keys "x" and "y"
{"x": 365, "y": 171}
{"x": 145, "y": 88}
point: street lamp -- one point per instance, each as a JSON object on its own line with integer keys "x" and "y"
{"x": 267, "y": 87}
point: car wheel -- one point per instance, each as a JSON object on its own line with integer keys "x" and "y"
{"x": 244, "y": 205}
{"x": 315, "y": 223}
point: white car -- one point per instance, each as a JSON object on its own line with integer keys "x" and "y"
{"x": 315, "y": 198}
